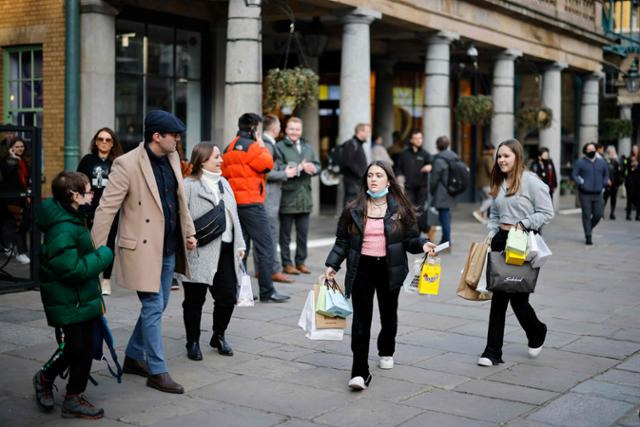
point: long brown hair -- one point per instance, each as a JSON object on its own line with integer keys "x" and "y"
{"x": 200, "y": 154}
{"x": 498, "y": 177}
{"x": 116, "y": 148}
{"x": 406, "y": 213}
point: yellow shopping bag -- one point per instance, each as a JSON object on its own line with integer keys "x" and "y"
{"x": 429, "y": 283}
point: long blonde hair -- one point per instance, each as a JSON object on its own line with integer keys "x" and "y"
{"x": 498, "y": 177}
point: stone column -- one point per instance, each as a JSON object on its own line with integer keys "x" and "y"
{"x": 551, "y": 137}
{"x": 436, "y": 120}
{"x": 624, "y": 144}
{"x": 243, "y": 68}
{"x": 355, "y": 72}
{"x": 218, "y": 56}
{"x": 502, "y": 122}
{"x": 97, "y": 69}
{"x": 589, "y": 109}
{"x": 311, "y": 133}
{"x": 383, "y": 123}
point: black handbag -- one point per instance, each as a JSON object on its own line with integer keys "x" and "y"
{"x": 212, "y": 224}
{"x": 510, "y": 278}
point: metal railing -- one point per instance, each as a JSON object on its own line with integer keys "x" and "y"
{"x": 621, "y": 22}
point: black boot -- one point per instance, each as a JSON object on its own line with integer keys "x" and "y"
{"x": 193, "y": 350}
{"x": 218, "y": 341}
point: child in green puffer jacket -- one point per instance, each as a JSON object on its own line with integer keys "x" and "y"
{"x": 70, "y": 291}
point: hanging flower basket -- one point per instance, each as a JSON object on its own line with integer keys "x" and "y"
{"x": 617, "y": 128}
{"x": 474, "y": 110}
{"x": 290, "y": 87}
{"x": 534, "y": 118}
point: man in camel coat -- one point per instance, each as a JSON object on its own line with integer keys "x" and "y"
{"x": 154, "y": 233}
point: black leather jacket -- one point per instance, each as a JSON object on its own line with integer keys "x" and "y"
{"x": 399, "y": 241}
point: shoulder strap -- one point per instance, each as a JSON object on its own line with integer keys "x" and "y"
{"x": 221, "y": 187}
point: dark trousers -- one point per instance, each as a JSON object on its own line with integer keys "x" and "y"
{"x": 633, "y": 198}
{"x": 301, "y": 221}
{"x": 372, "y": 277}
{"x": 418, "y": 197}
{"x": 14, "y": 228}
{"x": 592, "y": 206}
{"x": 77, "y": 355}
{"x": 223, "y": 291}
{"x": 255, "y": 227}
{"x": 611, "y": 193}
{"x": 444, "y": 215}
{"x": 534, "y": 328}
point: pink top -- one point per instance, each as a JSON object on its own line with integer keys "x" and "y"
{"x": 373, "y": 241}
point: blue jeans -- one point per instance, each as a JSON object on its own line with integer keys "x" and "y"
{"x": 444, "y": 215}
{"x": 146, "y": 339}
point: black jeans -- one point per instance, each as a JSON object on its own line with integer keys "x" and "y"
{"x": 255, "y": 226}
{"x": 534, "y": 328}
{"x": 223, "y": 291}
{"x": 77, "y": 355}
{"x": 611, "y": 192}
{"x": 301, "y": 220}
{"x": 592, "y": 206}
{"x": 372, "y": 277}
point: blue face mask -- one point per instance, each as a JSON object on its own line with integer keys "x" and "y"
{"x": 379, "y": 194}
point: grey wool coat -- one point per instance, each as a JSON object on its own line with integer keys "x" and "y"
{"x": 203, "y": 261}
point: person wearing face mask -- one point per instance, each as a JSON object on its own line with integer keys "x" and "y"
{"x": 216, "y": 265}
{"x": 520, "y": 200}
{"x": 545, "y": 169}
{"x": 70, "y": 291}
{"x": 374, "y": 234}
{"x": 591, "y": 175}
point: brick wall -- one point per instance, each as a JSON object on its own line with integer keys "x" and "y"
{"x": 42, "y": 22}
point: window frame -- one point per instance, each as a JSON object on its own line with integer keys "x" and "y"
{"x": 9, "y": 113}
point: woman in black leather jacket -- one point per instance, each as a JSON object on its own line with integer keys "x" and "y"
{"x": 375, "y": 232}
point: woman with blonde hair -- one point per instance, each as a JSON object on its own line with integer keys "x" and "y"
{"x": 520, "y": 200}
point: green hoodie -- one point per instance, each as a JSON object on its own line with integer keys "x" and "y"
{"x": 69, "y": 266}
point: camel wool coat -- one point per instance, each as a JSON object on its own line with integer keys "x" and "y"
{"x": 132, "y": 189}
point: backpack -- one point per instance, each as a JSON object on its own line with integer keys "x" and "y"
{"x": 459, "y": 177}
{"x": 335, "y": 158}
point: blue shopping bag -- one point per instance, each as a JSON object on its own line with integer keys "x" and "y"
{"x": 336, "y": 303}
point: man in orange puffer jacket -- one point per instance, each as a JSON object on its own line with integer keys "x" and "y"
{"x": 246, "y": 162}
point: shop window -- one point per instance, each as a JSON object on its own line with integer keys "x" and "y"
{"x": 23, "y": 86}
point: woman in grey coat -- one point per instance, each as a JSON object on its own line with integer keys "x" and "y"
{"x": 215, "y": 266}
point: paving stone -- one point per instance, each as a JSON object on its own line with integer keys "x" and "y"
{"x": 21, "y": 316}
{"x": 559, "y": 359}
{"x": 23, "y": 336}
{"x": 462, "y": 404}
{"x": 275, "y": 397}
{"x": 631, "y": 364}
{"x": 462, "y": 364}
{"x": 431, "y": 418}
{"x": 609, "y": 390}
{"x": 423, "y": 376}
{"x": 479, "y": 329}
{"x": 369, "y": 412}
{"x": 631, "y": 419}
{"x": 327, "y": 360}
{"x": 541, "y": 377}
{"x": 603, "y": 347}
{"x": 581, "y": 410}
{"x": 506, "y": 391}
{"x": 445, "y": 341}
{"x": 553, "y": 339}
{"x": 287, "y": 352}
{"x": 627, "y": 334}
{"x": 620, "y": 377}
{"x": 429, "y": 320}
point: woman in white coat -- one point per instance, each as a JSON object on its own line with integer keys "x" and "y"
{"x": 216, "y": 265}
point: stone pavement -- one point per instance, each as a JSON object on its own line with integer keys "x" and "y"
{"x": 587, "y": 375}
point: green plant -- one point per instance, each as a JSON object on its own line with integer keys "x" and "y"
{"x": 290, "y": 87}
{"x": 474, "y": 110}
{"x": 617, "y": 128}
{"x": 534, "y": 118}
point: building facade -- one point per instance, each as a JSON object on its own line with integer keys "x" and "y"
{"x": 397, "y": 64}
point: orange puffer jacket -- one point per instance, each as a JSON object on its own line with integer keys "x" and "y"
{"x": 245, "y": 165}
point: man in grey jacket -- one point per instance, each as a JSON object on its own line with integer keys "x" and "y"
{"x": 591, "y": 175}
{"x": 279, "y": 174}
{"x": 442, "y": 200}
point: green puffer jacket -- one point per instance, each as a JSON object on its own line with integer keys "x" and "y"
{"x": 296, "y": 191}
{"x": 69, "y": 267}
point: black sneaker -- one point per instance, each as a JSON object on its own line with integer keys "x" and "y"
{"x": 589, "y": 242}
{"x": 76, "y": 406}
{"x": 44, "y": 391}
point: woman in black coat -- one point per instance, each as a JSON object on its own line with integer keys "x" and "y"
{"x": 375, "y": 232}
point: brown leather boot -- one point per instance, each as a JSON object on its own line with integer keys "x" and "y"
{"x": 303, "y": 269}
{"x": 290, "y": 269}
{"x": 165, "y": 383}
{"x": 135, "y": 367}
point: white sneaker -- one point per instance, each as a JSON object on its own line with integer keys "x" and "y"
{"x": 485, "y": 361}
{"x": 23, "y": 259}
{"x": 385, "y": 362}
{"x": 478, "y": 216}
{"x": 534, "y": 352}
{"x": 106, "y": 286}
{"x": 358, "y": 383}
